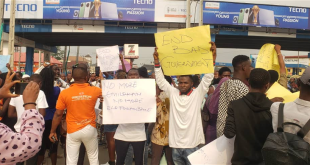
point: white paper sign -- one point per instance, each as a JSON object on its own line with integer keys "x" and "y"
{"x": 218, "y": 152}
{"x": 108, "y": 58}
{"x": 128, "y": 101}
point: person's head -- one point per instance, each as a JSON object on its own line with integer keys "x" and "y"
{"x": 195, "y": 81}
{"x": 133, "y": 73}
{"x": 26, "y": 78}
{"x": 292, "y": 80}
{"x": 120, "y": 74}
{"x": 93, "y": 77}
{"x": 185, "y": 83}
{"x": 304, "y": 83}
{"x": 274, "y": 76}
{"x": 56, "y": 71}
{"x": 69, "y": 77}
{"x": 19, "y": 75}
{"x": 143, "y": 72}
{"x": 216, "y": 74}
{"x": 211, "y": 90}
{"x": 224, "y": 72}
{"x": 63, "y": 76}
{"x": 80, "y": 75}
{"x": 259, "y": 80}
{"x": 36, "y": 78}
{"x": 242, "y": 65}
{"x": 198, "y": 76}
{"x": 48, "y": 77}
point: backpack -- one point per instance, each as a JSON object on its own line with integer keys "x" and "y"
{"x": 282, "y": 148}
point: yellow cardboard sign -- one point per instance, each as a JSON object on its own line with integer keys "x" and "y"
{"x": 185, "y": 51}
{"x": 277, "y": 90}
{"x": 267, "y": 58}
{"x": 291, "y": 97}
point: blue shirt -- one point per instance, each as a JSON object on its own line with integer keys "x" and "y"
{"x": 51, "y": 101}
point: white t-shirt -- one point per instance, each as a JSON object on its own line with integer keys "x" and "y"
{"x": 130, "y": 132}
{"x": 18, "y": 102}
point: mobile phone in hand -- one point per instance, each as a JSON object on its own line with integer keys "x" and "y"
{"x": 20, "y": 87}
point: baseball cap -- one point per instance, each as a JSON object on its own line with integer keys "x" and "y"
{"x": 25, "y": 76}
{"x": 305, "y": 78}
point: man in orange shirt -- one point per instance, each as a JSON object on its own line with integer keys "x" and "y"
{"x": 79, "y": 100}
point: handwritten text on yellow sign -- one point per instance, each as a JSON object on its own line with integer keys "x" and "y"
{"x": 185, "y": 51}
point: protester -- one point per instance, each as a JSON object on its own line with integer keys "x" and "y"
{"x": 51, "y": 93}
{"x": 274, "y": 76}
{"x": 224, "y": 72}
{"x": 249, "y": 120}
{"x": 130, "y": 134}
{"x": 196, "y": 81}
{"x": 69, "y": 78}
{"x": 81, "y": 125}
{"x": 233, "y": 89}
{"x": 26, "y": 78}
{"x": 143, "y": 72}
{"x": 211, "y": 108}
{"x": 185, "y": 125}
{"x": 298, "y": 111}
{"x": 16, "y": 108}
{"x": 292, "y": 85}
{"x": 160, "y": 133}
{"x": 18, "y": 147}
{"x": 63, "y": 76}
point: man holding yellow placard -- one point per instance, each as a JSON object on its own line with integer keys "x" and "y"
{"x": 185, "y": 125}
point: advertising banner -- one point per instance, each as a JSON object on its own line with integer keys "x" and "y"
{"x": 255, "y": 15}
{"x": 25, "y": 9}
{"x": 175, "y": 11}
{"x": 122, "y": 10}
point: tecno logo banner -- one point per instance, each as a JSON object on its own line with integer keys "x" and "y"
{"x": 25, "y": 9}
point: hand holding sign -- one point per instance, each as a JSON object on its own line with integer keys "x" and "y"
{"x": 185, "y": 51}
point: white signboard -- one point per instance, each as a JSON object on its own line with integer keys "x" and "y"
{"x": 219, "y": 151}
{"x": 25, "y": 9}
{"x": 108, "y": 58}
{"x": 131, "y": 50}
{"x": 302, "y": 61}
{"x": 128, "y": 101}
{"x": 176, "y": 11}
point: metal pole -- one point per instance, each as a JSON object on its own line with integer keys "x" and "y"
{"x": 39, "y": 58}
{"x": 64, "y": 61}
{"x": 298, "y": 65}
{"x": 12, "y": 31}
{"x": 1, "y": 21}
{"x": 188, "y": 17}
{"x": 77, "y": 54}
{"x": 20, "y": 56}
{"x": 201, "y": 13}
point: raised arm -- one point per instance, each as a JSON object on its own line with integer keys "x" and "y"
{"x": 121, "y": 57}
{"x": 207, "y": 78}
{"x": 283, "y": 80}
{"x": 162, "y": 83}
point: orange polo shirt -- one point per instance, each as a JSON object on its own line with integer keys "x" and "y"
{"x": 80, "y": 101}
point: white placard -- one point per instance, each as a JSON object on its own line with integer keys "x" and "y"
{"x": 219, "y": 151}
{"x": 108, "y": 58}
{"x": 129, "y": 101}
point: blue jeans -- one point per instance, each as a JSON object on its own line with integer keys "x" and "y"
{"x": 179, "y": 155}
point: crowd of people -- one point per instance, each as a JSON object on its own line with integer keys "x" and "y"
{"x": 192, "y": 111}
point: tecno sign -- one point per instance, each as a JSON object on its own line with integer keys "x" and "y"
{"x": 25, "y": 9}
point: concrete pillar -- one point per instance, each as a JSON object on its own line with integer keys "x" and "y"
{"x": 29, "y": 60}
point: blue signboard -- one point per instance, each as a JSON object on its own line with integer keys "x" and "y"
{"x": 255, "y": 15}
{"x": 122, "y": 10}
{"x": 29, "y": 28}
{"x": 148, "y": 28}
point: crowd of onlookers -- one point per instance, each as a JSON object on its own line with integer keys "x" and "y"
{"x": 192, "y": 111}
